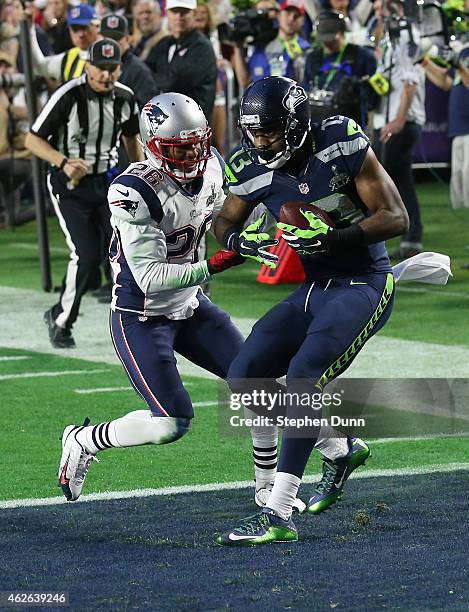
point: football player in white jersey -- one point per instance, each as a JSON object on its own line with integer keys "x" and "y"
{"x": 160, "y": 210}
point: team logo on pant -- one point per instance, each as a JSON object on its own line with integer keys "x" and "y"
{"x": 304, "y": 188}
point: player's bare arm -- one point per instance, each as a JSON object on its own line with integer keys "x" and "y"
{"x": 232, "y": 216}
{"x": 379, "y": 193}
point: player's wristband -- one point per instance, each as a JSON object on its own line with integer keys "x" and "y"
{"x": 346, "y": 239}
{"x": 230, "y": 239}
{"x": 63, "y": 163}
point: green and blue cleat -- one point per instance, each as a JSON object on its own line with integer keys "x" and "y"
{"x": 262, "y": 528}
{"x": 335, "y": 474}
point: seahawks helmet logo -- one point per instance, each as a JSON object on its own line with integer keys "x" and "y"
{"x": 294, "y": 97}
{"x": 154, "y": 117}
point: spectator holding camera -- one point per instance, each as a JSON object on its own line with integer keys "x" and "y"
{"x": 456, "y": 81}
{"x": 336, "y": 71}
{"x": 399, "y": 119}
{"x": 282, "y": 56}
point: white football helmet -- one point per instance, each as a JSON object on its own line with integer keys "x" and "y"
{"x": 176, "y": 136}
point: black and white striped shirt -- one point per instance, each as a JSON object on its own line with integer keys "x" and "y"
{"x": 80, "y": 123}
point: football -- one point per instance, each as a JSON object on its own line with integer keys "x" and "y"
{"x": 290, "y": 213}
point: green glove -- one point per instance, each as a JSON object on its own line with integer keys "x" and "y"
{"x": 307, "y": 241}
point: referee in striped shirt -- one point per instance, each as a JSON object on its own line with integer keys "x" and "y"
{"x": 78, "y": 133}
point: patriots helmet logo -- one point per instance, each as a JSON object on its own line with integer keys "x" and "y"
{"x": 295, "y": 96}
{"x": 154, "y": 117}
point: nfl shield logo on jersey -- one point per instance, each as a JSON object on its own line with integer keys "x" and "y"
{"x": 304, "y": 188}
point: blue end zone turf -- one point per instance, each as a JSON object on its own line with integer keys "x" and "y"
{"x": 392, "y": 543}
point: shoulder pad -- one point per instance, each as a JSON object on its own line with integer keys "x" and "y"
{"x": 338, "y": 135}
{"x": 132, "y": 197}
{"x": 245, "y": 179}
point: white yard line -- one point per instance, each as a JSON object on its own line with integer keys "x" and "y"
{"x": 50, "y": 374}
{"x": 15, "y": 358}
{"x": 223, "y": 486}
{"x": 382, "y": 356}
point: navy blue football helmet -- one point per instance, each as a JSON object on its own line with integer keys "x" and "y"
{"x": 275, "y": 105}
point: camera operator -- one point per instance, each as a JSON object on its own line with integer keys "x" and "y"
{"x": 399, "y": 119}
{"x": 456, "y": 81}
{"x": 15, "y": 162}
{"x": 78, "y": 132}
{"x": 336, "y": 72}
{"x": 282, "y": 56}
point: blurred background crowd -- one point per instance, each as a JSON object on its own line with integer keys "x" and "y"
{"x": 399, "y": 68}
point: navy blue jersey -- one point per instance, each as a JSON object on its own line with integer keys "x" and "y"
{"x": 338, "y": 150}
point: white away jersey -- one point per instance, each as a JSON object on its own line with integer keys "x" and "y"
{"x": 158, "y": 226}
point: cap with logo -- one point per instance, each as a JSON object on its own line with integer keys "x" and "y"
{"x": 185, "y": 4}
{"x": 114, "y": 26}
{"x": 83, "y": 14}
{"x": 105, "y": 52}
{"x": 293, "y": 4}
{"x": 328, "y": 25}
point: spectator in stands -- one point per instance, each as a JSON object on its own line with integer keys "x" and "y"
{"x": 457, "y": 83}
{"x": 204, "y": 23}
{"x": 334, "y": 71}
{"x": 185, "y": 62}
{"x": 83, "y": 28}
{"x": 282, "y": 56}
{"x": 148, "y": 30}
{"x": 55, "y": 25}
{"x": 135, "y": 73}
{"x": 398, "y": 123}
{"x": 15, "y": 162}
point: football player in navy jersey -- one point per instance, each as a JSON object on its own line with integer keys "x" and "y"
{"x": 317, "y": 331}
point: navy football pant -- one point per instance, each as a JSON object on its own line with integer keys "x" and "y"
{"x": 146, "y": 350}
{"x": 312, "y": 337}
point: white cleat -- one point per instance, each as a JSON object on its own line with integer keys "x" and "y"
{"x": 262, "y": 495}
{"x": 74, "y": 463}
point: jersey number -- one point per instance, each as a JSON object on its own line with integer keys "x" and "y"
{"x": 186, "y": 239}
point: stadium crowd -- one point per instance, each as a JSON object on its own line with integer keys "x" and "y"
{"x": 367, "y": 60}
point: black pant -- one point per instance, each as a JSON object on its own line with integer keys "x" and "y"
{"x": 396, "y": 157}
{"x": 84, "y": 218}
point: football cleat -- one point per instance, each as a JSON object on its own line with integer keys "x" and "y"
{"x": 261, "y": 528}
{"x": 59, "y": 336}
{"x": 74, "y": 463}
{"x": 262, "y": 495}
{"x": 335, "y": 474}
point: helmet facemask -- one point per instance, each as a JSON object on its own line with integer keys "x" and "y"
{"x": 288, "y": 131}
{"x": 163, "y": 152}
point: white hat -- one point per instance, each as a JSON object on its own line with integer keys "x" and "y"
{"x": 186, "y": 4}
